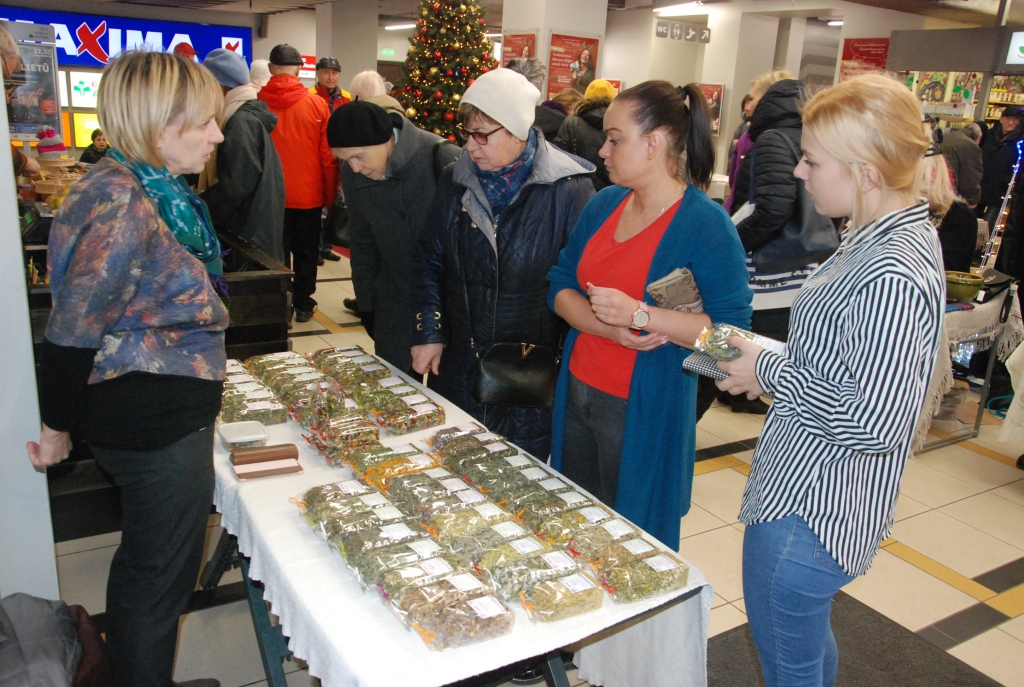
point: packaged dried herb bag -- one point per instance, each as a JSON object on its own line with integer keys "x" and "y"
{"x": 524, "y": 574}
{"x": 465, "y": 622}
{"x": 417, "y": 604}
{"x": 647, "y": 577}
{"x": 563, "y": 597}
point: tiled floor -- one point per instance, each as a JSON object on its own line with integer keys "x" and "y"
{"x": 960, "y": 515}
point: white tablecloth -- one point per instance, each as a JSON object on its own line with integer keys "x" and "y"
{"x": 349, "y": 638}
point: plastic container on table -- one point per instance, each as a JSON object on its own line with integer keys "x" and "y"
{"x": 243, "y": 434}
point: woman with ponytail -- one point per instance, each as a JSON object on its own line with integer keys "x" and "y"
{"x": 624, "y": 423}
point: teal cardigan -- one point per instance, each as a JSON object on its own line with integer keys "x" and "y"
{"x": 656, "y": 473}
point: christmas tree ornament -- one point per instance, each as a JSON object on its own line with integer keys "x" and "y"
{"x": 434, "y": 71}
{"x": 462, "y": 8}
{"x": 476, "y": 60}
{"x": 424, "y": 13}
{"x": 443, "y": 31}
{"x": 457, "y": 46}
{"x": 449, "y": 116}
{"x": 485, "y": 69}
{"x": 449, "y": 73}
{"x": 410, "y": 113}
{"x": 437, "y": 7}
{"x": 418, "y": 93}
{"x": 456, "y": 97}
{"x": 438, "y": 95}
{"x": 437, "y": 54}
{"x": 438, "y": 131}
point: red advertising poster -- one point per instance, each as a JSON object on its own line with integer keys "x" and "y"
{"x": 714, "y": 92}
{"x": 616, "y": 84}
{"x": 863, "y": 55}
{"x": 572, "y": 63}
{"x": 515, "y": 45}
{"x": 308, "y": 68}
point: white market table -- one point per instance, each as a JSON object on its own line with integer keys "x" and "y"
{"x": 349, "y": 638}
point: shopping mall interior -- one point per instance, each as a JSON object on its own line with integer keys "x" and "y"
{"x": 943, "y": 601}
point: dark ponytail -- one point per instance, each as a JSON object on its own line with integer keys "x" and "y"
{"x": 683, "y": 112}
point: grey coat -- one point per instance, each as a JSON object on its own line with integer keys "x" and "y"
{"x": 964, "y": 157}
{"x": 386, "y": 218}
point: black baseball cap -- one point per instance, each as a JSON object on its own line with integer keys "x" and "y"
{"x": 1011, "y": 111}
{"x": 329, "y": 63}
{"x": 285, "y": 55}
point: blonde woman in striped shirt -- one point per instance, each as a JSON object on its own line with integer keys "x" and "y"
{"x": 865, "y": 326}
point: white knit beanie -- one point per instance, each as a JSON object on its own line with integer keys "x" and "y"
{"x": 506, "y": 97}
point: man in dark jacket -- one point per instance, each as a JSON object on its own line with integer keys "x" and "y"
{"x": 246, "y": 195}
{"x": 1000, "y": 155}
{"x": 582, "y": 134}
{"x": 964, "y": 157}
{"x": 389, "y": 171}
{"x": 545, "y": 118}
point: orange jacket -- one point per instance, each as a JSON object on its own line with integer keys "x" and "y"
{"x": 310, "y": 170}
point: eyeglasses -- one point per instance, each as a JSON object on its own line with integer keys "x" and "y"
{"x": 478, "y": 136}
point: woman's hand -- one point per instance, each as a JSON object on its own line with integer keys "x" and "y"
{"x": 427, "y": 358}
{"x": 628, "y": 338}
{"x": 611, "y": 306}
{"x": 53, "y": 447}
{"x": 742, "y": 371}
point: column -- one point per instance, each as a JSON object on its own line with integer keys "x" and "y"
{"x": 347, "y": 30}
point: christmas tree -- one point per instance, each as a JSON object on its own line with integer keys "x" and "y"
{"x": 446, "y": 54}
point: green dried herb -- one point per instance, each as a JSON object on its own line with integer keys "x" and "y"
{"x": 449, "y": 526}
{"x": 370, "y": 539}
{"x": 589, "y": 542}
{"x": 565, "y": 597}
{"x": 647, "y": 577}
{"x": 394, "y": 582}
{"x": 521, "y": 576}
{"x": 561, "y": 527}
{"x": 370, "y": 566}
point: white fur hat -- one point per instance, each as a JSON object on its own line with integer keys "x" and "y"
{"x": 506, "y": 97}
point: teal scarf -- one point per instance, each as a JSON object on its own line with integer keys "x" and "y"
{"x": 185, "y": 213}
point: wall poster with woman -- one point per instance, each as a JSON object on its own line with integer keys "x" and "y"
{"x": 572, "y": 63}
{"x": 518, "y": 44}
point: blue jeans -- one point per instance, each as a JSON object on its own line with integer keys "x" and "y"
{"x": 789, "y": 580}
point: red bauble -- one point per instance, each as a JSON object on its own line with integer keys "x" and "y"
{"x": 449, "y": 116}
{"x": 449, "y": 73}
{"x": 480, "y": 21}
{"x": 426, "y": 114}
{"x": 437, "y": 54}
{"x": 463, "y": 71}
{"x": 423, "y": 30}
{"x": 438, "y": 95}
{"x": 484, "y": 70}
{"x": 470, "y": 82}
{"x": 451, "y": 137}
{"x": 437, "y": 7}
{"x": 418, "y": 93}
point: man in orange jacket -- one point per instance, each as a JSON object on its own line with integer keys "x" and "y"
{"x": 310, "y": 171}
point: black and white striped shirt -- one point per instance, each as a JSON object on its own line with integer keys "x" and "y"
{"x": 862, "y": 344}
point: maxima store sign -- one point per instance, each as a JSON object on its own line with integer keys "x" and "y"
{"x": 86, "y": 40}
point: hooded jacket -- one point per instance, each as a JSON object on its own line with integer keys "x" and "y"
{"x": 249, "y": 197}
{"x": 582, "y": 134}
{"x": 775, "y": 188}
{"x": 386, "y": 219}
{"x": 548, "y": 121}
{"x": 1000, "y": 154}
{"x": 501, "y": 273}
{"x": 310, "y": 171}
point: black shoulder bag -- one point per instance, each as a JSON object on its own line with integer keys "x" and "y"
{"x": 807, "y": 238}
{"x": 512, "y": 374}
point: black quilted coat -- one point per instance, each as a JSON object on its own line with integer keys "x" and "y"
{"x": 775, "y": 187}
{"x": 504, "y": 282}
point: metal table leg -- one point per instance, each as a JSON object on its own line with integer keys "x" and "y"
{"x": 273, "y": 646}
{"x": 554, "y": 670}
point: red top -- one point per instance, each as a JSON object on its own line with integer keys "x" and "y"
{"x": 596, "y": 361}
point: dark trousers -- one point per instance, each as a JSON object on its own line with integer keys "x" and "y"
{"x": 166, "y": 496}
{"x": 592, "y": 446}
{"x": 301, "y": 249}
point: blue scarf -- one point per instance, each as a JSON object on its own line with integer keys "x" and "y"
{"x": 501, "y": 187}
{"x": 185, "y": 213}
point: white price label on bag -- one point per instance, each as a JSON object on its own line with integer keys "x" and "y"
{"x": 508, "y": 529}
{"x": 661, "y": 563}
{"x": 420, "y": 459}
{"x": 424, "y": 548}
{"x": 572, "y": 497}
{"x": 363, "y": 359}
{"x": 260, "y": 405}
{"x": 558, "y": 560}
{"x": 534, "y": 474}
{"x": 469, "y": 496}
{"x": 617, "y": 528}
{"x": 454, "y": 484}
{"x": 552, "y": 484}
{"x": 375, "y": 500}
{"x": 350, "y": 404}
{"x": 435, "y": 566}
{"x": 488, "y": 510}
{"x": 637, "y": 547}
{"x": 397, "y": 531}
{"x": 437, "y": 473}
{"x": 517, "y": 461}
{"x": 526, "y": 546}
{"x": 577, "y": 583}
{"x": 423, "y": 408}
{"x": 249, "y": 386}
{"x": 352, "y": 487}
{"x": 389, "y": 382}
{"x": 496, "y": 446}
{"x": 593, "y": 514}
{"x": 399, "y": 390}
{"x": 415, "y": 400}
{"x": 389, "y": 513}
{"x": 300, "y": 370}
{"x": 465, "y": 582}
{"x": 239, "y": 379}
{"x": 486, "y": 607}
{"x": 258, "y": 394}
{"x": 403, "y": 448}
{"x": 371, "y": 368}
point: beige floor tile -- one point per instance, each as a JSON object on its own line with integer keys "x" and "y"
{"x": 725, "y": 618}
{"x": 696, "y": 521}
{"x": 718, "y": 601}
{"x": 307, "y": 344}
{"x": 719, "y": 554}
{"x": 360, "y": 338}
{"x": 970, "y": 467}
{"x": 741, "y": 605}
{"x": 992, "y": 515}
{"x": 905, "y": 594}
{"x": 334, "y": 270}
{"x": 236, "y": 658}
{"x": 1014, "y": 628}
{"x": 100, "y": 541}
{"x": 989, "y": 438}
{"x": 720, "y": 493}
{"x": 739, "y": 527}
{"x": 329, "y": 295}
{"x": 996, "y": 654}
{"x": 932, "y": 487}
{"x": 730, "y": 426}
{"x": 745, "y": 456}
{"x": 82, "y": 578}
{"x": 310, "y": 326}
{"x": 339, "y": 314}
{"x": 907, "y": 507}
{"x": 954, "y": 544}
{"x": 1012, "y": 492}
{"x": 706, "y": 439}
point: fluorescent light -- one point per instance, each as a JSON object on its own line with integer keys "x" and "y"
{"x": 399, "y": 27}
{"x": 493, "y": 35}
{"x": 676, "y": 9}
{"x": 835, "y": 22}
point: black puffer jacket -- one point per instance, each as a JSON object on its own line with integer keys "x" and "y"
{"x": 582, "y": 134}
{"x": 548, "y": 121}
{"x": 1000, "y": 154}
{"x": 775, "y": 187}
{"x": 460, "y": 260}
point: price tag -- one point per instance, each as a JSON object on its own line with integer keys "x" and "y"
{"x": 403, "y": 448}
{"x": 371, "y": 368}
{"x": 558, "y": 560}
{"x": 552, "y": 484}
{"x": 572, "y": 497}
{"x": 397, "y": 531}
{"x": 594, "y": 514}
{"x": 308, "y": 377}
{"x": 526, "y": 546}
{"x": 486, "y": 607}
{"x": 517, "y": 461}
{"x": 617, "y": 528}
{"x": 350, "y": 404}
{"x": 284, "y": 354}
{"x": 469, "y": 428}
{"x": 299, "y": 370}
{"x": 435, "y": 566}
{"x": 375, "y": 500}
{"x": 249, "y": 386}
{"x": 420, "y": 459}
{"x": 469, "y": 496}
{"x": 508, "y": 529}
{"x": 437, "y": 473}
{"x": 415, "y": 400}
{"x": 637, "y": 547}
{"x": 423, "y": 408}
{"x": 363, "y": 359}
{"x": 389, "y": 513}
{"x": 488, "y": 510}
{"x": 496, "y": 446}
{"x": 487, "y": 436}
{"x": 661, "y": 563}
{"x": 424, "y": 548}
{"x": 400, "y": 390}
{"x": 454, "y": 484}
{"x": 534, "y": 474}
{"x": 239, "y": 379}
{"x": 260, "y": 405}
{"x": 577, "y": 583}
{"x": 352, "y": 487}
{"x": 261, "y": 393}
{"x": 465, "y": 582}
{"x": 389, "y": 382}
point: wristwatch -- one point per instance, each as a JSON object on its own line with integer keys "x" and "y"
{"x": 640, "y": 318}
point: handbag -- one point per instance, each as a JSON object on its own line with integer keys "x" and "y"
{"x": 807, "y": 238}
{"x": 337, "y": 223}
{"x": 512, "y": 374}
